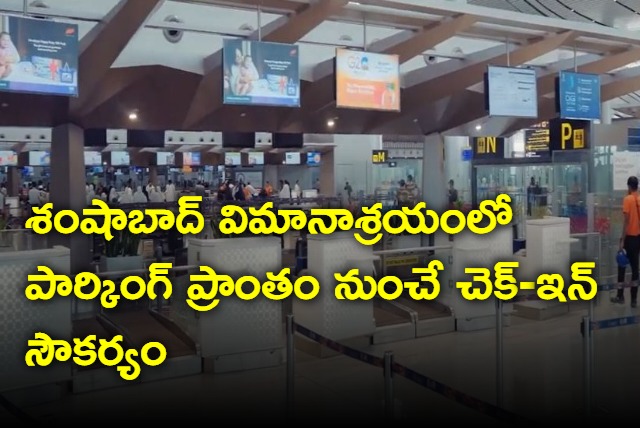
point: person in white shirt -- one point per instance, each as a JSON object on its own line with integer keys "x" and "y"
{"x": 154, "y": 195}
{"x": 127, "y": 196}
{"x": 296, "y": 190}
{"x": 34, "y": 196}
{"x": 285, "y": 193}
{"x": 170, "y": 192}
{"x": 139, "y": 197}
{"x": 251, "y": 191}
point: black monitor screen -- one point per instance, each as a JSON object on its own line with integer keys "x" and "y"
{"x": 241, "y": 140}
{"x": 287, "y": 141}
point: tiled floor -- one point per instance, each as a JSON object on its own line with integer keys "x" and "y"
{"x": 543, "y": 375}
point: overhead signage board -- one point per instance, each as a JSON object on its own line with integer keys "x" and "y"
{"x": 488, "y": 147}
{"x": 536, "y": 143}
{"x": 578, "y": 96}
{"x": 512, "y": 92}
{"x": 379, "y": 156}
{"x": 366, "y": 80}
{"x": 38, "y": 56}
{"x": 565, "y": 134}
{"x": 261, "y": 73}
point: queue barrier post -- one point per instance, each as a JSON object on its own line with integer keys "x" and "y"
{"x": 499, "y": 355}
{"x": 388, "y": 385}
{"x": 290, "y": 367}
{"x": 586, "y": 336}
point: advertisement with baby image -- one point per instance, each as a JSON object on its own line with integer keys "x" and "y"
{"x": 261, "y": 73}
{"x": 38, "y": 56}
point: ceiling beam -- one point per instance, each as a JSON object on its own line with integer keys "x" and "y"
{"x": 208, "y": 96}
{"x": 116, "y": 81}
{"x": 106, "y": 41}
{"x": 453, "y": 77}
{"x": 407, "y": 45}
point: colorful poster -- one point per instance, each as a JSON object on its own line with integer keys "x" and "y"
{"x": 368, "y": 81}
{"x": 261, "y": 73}
{"x": 38, "y": 55}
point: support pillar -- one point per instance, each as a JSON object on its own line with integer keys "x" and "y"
{"x": 434, "y": 181}
{"x": 67, "y": 190}
{"x": 13, "y": 181}
{"x": 606, "y": 113}
{"x": 153, "y": 175}
{"x": 327, "y": 175}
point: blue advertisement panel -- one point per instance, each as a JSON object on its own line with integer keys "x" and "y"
{"x": 39, "y": 56}
{"x": 261, "y": 73}
{"x": 579, "y": 96}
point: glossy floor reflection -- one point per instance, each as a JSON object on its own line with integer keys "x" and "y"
{"x": 543, "y": 372}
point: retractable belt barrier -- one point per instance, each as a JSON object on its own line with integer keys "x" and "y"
{"x": 407, "y": 373}
{"x": 612, "y": 323}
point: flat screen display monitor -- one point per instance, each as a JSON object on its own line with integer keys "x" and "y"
{"x": 255, "y": 158}
{"x": 283, "y": 140}
{"x": 39, "y": 158}
{"x": 232, "y": 158}
{"x": 92, "y": 158}
{"x": 239, "y": 140}
{"x": 120, "y": 158}
{"x": 141, "y": 138}
{"x": 313, "y": 158}
{"x": 165, "y": 158}
{"x": 292, "y": 158}
{"x": 191, "y": 159}
{"x": 578, "y": 96}
{"x": 511, "y": 92}
{"x": 42, "y": 55}
{"x": 366, "y": 80}
{"x": 261, "y": 73}
{"x": 8, "y": 158}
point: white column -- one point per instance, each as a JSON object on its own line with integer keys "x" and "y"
{"x": 606, "y": 113}
{"x": 434, "y": 180}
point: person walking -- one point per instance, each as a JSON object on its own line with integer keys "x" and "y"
{"x": 630, "y": 241}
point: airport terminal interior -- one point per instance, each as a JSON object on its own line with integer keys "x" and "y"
{"x": 312, "y": 106}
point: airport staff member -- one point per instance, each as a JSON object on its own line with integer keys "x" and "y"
{"x": 630, "y": 241}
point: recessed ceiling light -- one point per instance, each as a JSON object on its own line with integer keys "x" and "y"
{"x": 243, "y": 114}
{"x": 331, "y": 123}
{"x": 478, "y": 127}
{"x": 133, "y": 116}
{"x": 346, "y": 38}
{"x": 246, "y": 27}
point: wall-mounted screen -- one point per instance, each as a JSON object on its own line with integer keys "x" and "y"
{"x": 578, "y": 96}
{"x": 255, "y": 158}
{"x": 8, "y": 158}
{"x": 292, "y": 158}
{"x": 313, "y": 158}
{"x": 141, "y": 138}
{"x": 232, "y": 158}
{"x": 120, "y": 158}
{"x": 239, "y": 140}
{"x": 165, "y": 158}
{"x": 39, "y": 158}
{"x": 366, "y": 80}
{"x": 39, "y": 56}
{"x": 191, "y": 159}
{"x": 282, "y": 140}
{"x": 261, "y": 73}
{"x": 511, "y": 92}
{"x": 92, "y": 158}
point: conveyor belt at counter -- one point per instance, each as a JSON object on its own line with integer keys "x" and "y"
{"x": 426, "y": 310}
{"x": 86, "y": 327}
{"x": 140, "y": 327}
{"x": 386, "y": 318}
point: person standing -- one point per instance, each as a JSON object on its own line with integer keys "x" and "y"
{"x": 349, "y": 190}
{"x": 630, "y": 241}
{"x": 452, "y": 194}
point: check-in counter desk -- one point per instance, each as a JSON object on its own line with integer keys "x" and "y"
{"x": 326, "y": 315}
{"x": 475, "y": 251}
{"x": 236, "y": 334}
{"x": 21, "y": 318}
